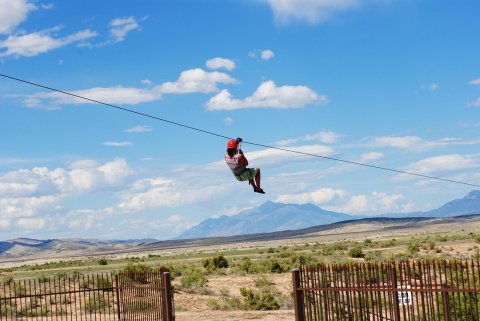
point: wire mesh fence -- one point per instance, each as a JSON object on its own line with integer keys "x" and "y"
{"x": 98, "y": 297}
{"x": 403, "y": 291}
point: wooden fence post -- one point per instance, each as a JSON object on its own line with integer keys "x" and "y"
{"x": 446, "y": 305}
{"x": 298, "y": 296}
{"x": 167, "y": 297}
{"x": 396, "y": 304}
{"x": 117, "y": 290}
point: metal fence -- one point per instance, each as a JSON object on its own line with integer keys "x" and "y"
{"x": 404, "y": 291}
{"x": 99, "y": 297}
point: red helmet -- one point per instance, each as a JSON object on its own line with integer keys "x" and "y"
{"x": 232, "y": 143}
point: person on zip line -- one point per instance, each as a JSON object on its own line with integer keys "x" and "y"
{"x": 238, "y": 163}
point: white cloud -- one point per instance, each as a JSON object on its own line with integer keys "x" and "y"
{"x": 120, "y": 27}
{"x": 83, "y": 177}
{"x": 218, "y": 63}
{"x": 190, "y": 81}
{"x": 110, "y": 95}
{"x": 278, "y": 157}
{"x": 33, "y": 44}
{"x": 14, "y": 207}
{"x": 195, "y": 80}
{"x": 4, "y": 223}
{"x": 267, "y": 54}
{"x": 168, "y": 227}
{"x": 371, "y": 156}
{"x": 414, "y": 143}
{"x": 433, "y": 87}
{"x": 31, "y": 223}
{"x": 442, "y": 163}
{"x": 326, "y": 137}
{"x": 375, "y": 203}
{"x": 117, "y": 144}
{"x": 13, "y": 13}
{"x": 310, "y": 11}
{"x": 396, "y": 141}
{"x": 318, "y": 197}
{"x": 139, "y": 129}
{"x": 268, "y": 95}
{"x": 474, "y": 81}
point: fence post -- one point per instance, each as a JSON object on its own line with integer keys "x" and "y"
{"x": 298, "y": 296}
{"x": 167, "y": 297}
{"x": 117, "y": 290}
{"x": 446, "y": 304}
{"x": 396, "y": 304}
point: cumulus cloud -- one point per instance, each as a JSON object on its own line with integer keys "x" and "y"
{"x": 318, "y": 197}
{"x": 195, "y": 80}
{"x": 82, "y": 177}
{"x": 14, "y": 207}
{"x": 139, "y": 129}
{"x": 218, "y": 63}
{"x": 310, "y": 11}
{"x": 30, "y": 197}
{"x": 442, "y": 163}
{"x": 33, "y": 44}
{"x": 31, "y": 223}
{"x": 190, "y": 81}
{"x": 120, "y": 27}
{"x": 375, "y": 203}
{"x": 13, "y": 13}
{"x": 268, "y": 95}
{"x": 267, "y": 54}
{"x": 326, "y": 137}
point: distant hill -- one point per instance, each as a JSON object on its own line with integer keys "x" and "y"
{"x": 271, "y": 217}
{"x": 270, "y": 221}
{"x": 24, "y": 246}
{"x": 470, "y": 204}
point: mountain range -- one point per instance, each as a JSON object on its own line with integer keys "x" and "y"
{"x": 25, "y": 246}
{"x": 271, "y": 217}
{"x": 270, "y": 221}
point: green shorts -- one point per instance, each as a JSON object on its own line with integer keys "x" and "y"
{"x": 247, "y": 175}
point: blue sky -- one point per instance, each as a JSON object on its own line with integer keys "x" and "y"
{"x": 384, "y": 82}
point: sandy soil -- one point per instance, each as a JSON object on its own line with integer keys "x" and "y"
{"x": 282, "y": 315}
{"x": 196, "y": 305}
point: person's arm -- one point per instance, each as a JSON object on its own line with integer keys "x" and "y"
{"x": 242, "y": 160}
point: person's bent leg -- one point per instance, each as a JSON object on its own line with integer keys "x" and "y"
{"x": 257, "y": 178}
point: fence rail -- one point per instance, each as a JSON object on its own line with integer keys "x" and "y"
{"x": 404, "y": 291}
{"x": 98, "y": 297}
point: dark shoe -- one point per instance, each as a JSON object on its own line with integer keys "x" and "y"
{"x": 258, "y": 190}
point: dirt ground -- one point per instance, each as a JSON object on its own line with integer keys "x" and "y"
{"x": 281, "y": 315}
{"x": 195, "y": 306}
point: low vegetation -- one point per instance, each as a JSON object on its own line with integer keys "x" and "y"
{"x": 192, "y": 273}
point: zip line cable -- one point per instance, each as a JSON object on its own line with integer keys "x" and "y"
{"x": 226, "y": 137}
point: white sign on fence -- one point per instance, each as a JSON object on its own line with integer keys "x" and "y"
{"x": 404, "y": 297}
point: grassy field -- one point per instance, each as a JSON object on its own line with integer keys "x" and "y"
{"x": 255, "y": 282}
